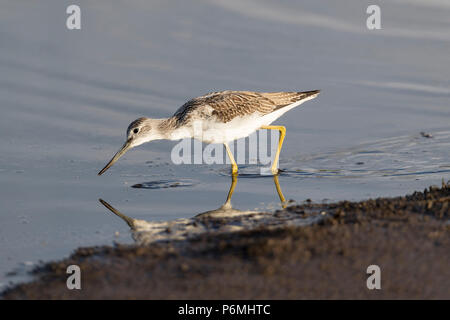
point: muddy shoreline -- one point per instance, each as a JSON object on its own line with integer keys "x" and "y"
{"x": 407, "y": 237}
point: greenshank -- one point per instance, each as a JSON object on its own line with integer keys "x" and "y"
{"x": 218, "y": 117}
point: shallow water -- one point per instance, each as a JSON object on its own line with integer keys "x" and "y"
{"x": 66, "y": 98}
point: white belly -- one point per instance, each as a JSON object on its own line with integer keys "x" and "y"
{"x": 237, "y": 128}
{"x": 210, "y": 131}
{"x": 230, "y": 131}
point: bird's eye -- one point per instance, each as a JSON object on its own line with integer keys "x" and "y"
{"x": 136, "y": 130}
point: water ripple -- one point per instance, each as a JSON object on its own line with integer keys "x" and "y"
{"x": 397, "y": 156}
{"x": 164, "y": 184}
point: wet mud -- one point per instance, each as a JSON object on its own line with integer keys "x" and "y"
{"x": 407, "y": 237}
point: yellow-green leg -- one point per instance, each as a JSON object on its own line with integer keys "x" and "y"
{"x": 234, "y": 167}
{"x": 230, "y": 192}
{"x": 280, "y": 144}
{"x": 280, "y": 193}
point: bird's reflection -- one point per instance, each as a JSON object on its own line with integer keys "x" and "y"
{"x": 227, "y": 208}
{"x": 217, "y": 220}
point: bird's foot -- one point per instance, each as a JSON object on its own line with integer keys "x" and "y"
{"x": 276, "y": 171}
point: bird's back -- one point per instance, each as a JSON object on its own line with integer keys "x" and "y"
{"x": 227, "y": 105}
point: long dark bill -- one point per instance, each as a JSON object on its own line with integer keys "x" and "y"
{"x": 121, "y": 152}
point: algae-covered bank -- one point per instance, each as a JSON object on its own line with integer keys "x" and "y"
{"x": 304, "y": 251}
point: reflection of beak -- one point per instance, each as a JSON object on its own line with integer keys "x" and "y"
{"x": 128, "y": 220}
{"x": 126, "y": 146}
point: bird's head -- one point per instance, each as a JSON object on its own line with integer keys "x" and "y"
{"x": 138, "y": 132}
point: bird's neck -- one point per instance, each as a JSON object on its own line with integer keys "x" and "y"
{"x": 169, "y": 129}
{"x": 159, "y": 128}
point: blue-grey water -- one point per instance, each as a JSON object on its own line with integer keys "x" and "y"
{"x": 381, "y": 126}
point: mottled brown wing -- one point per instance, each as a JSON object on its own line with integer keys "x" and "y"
{"x": 282, "y": 99}
{"x": 226, "y": 105}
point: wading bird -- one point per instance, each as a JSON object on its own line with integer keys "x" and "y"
{"x": 221, "y": 117}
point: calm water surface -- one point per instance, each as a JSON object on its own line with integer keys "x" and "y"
{"x": 66, "y": 98}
